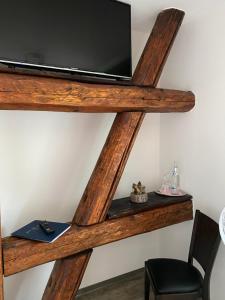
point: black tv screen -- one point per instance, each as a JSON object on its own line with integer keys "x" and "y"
{"x": 90, "y": 36}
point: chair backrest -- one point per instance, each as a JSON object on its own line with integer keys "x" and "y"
{"x": 204, "y": 242}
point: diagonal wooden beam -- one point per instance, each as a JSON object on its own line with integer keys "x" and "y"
{"x": 101, "y": 187}
{"x": 25, "y": 92}
{"x": 157, "y": 49}
{"x": 66, "y": 277}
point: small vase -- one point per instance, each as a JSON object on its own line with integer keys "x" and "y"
{"x": 135, "y": 198}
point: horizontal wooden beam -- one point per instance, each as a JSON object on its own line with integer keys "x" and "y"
{"x": 23, "y": 92}
{"x": 20, "y": 255}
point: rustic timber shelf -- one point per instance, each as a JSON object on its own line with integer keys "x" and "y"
{"x": 95, "y": 223}
{"x": 26, "y": 92}
{"x": 20, "y": 254}
{"x": 124, "y": 207}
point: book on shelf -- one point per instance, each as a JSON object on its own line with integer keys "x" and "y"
{"x": 42, "y": 231}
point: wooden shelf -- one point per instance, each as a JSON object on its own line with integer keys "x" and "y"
{"x": 20, "y": 254}
{"x": 26, "y": 92}
{"x": 124, "y": 207}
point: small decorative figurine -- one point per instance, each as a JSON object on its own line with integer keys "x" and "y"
{"x": 171, "y": 184}
{"x": 138, "y": 195}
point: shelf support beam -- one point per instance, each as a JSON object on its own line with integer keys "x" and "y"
{"x": 25, "y": 92}
{"x": 66, "y": 277}
{"x": 20, "y": 255}
{"x": 104, "y": 180}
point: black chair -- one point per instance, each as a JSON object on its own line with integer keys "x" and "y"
{"x": 171, "y": 279}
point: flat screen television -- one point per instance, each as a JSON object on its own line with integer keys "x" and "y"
{"x": 82, "y": 36}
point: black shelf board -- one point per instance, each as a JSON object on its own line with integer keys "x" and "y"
{"x": 124, "y": 207}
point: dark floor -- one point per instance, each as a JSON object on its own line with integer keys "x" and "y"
{"x": 125, "y": 287}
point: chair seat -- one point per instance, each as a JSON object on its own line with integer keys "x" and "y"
{"x": 171, "y": 276}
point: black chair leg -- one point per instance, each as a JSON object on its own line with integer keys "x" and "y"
{"x": 147, "y": 286}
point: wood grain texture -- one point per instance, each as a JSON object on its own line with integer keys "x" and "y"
{"x": 109, "y": 168}
{"x": 22, "y": 92}
{"x": 66, "y": 277}
{"x": 94, "y": 203}
{"x": 20, "y": 255}
{"x": 1, "y": 264}
{"x": 158, "y": 47}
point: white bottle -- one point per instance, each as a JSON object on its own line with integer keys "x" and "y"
{"x": 175, "y": 180}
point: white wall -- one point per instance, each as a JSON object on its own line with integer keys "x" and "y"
{"x": 46, "y": 158}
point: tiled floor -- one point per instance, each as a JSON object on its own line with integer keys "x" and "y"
{"x": 125, "y": 287}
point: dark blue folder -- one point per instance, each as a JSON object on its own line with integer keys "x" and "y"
{"x": 33, "y": 231}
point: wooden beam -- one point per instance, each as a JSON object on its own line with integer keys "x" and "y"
{"x": 69, "y": 271}
{"x": 157, "y": 49}
{"x": 20, "y": 255}
{"x": 94, "y": 203}
{"x": 166, "y": 27}
{"x": 22, "y": 92}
